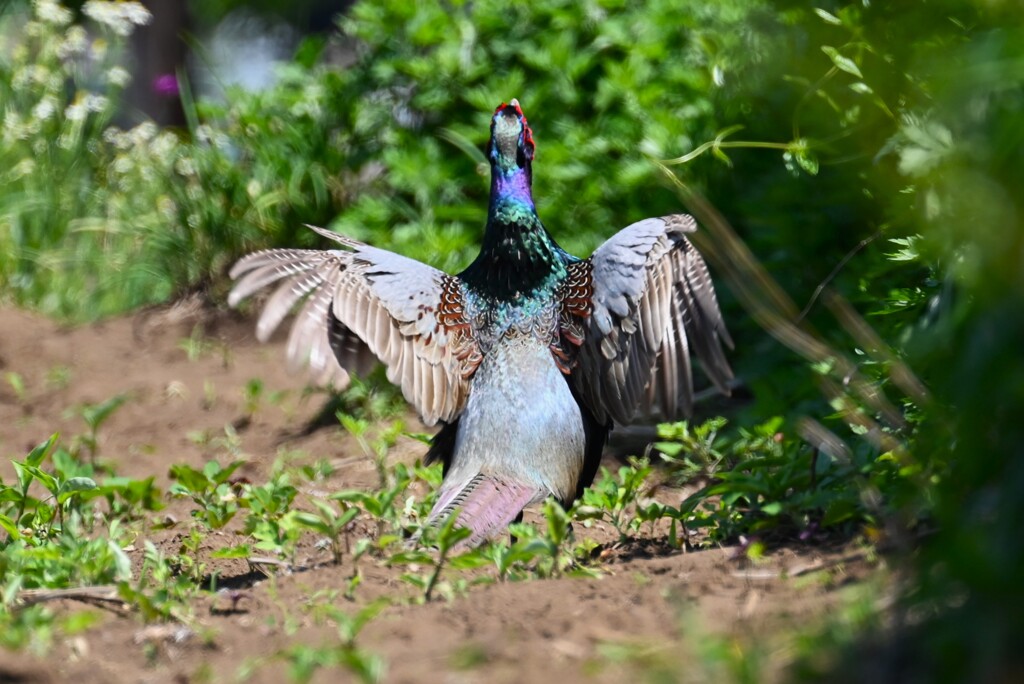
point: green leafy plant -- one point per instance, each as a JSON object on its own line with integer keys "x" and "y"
{"x": 445, "y": 539}
{"x": 376, "y": 448}
{"x": 613, "y": 498}
{"x": 64, "y": 493}
{"x": 304, "y": 660}
{"x": 331, "y": 523}
{"x": 160, "y": 592}
{"x": 17, "y": 384}
{"x": 210, "y": 489}
{"x": 765, "y": 482}
{"x": 52, "y": 541}
{"x": 94, "y": 416}
{"x": 271, "y": 520}
{"x": 196, "y": 344}
{"x": 689, "y": 451}
{"x": 130, "y": 499}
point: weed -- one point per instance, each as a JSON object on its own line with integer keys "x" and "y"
{"x": 53, "y": 542}
{"x": 690, "y": 452}
{"x": 613, "y": 498}
{"x": 195, "y": 345}
{"x": 271, "y": 520}
{"x": 304, "y": 660}
{"x": 376, "y": 447}
{"x": 252, "y": 395}
{"x": 17, "y": 384}
{"x": 188, "y": 563}
{"x": 445, "y": 538}
{"x": 58, "y": 377}
{"x": 331, "y": 523}
{"x": 210, "y": 489}
{"x": 94, "y": 416}
{"x": 160, "y": 592}
{"x": 209, "y": 395}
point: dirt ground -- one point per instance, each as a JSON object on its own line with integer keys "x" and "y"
{"x": 655, "y": 601}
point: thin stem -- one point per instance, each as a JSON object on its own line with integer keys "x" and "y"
{"x": 835, "y": 271}
{"x": 720, "y": 144}
{"x": 807, "y": 95}
{"x": 436, "y": 575}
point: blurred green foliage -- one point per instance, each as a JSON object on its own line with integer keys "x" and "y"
{"x": 867, "y": 153}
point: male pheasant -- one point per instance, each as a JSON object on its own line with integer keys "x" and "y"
{"x": 527, "y": 357}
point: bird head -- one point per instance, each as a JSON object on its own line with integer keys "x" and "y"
{"x": 511, "y": 138}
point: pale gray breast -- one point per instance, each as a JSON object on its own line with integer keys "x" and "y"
{"x": 521, "y": 420}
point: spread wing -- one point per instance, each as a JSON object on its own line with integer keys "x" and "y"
{"x": 636, "y": 309}
{"x": 362, "y": 304}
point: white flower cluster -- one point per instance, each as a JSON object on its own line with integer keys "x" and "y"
{"x": 118, "y": 77}
{"x": 75, "y": 43}
{"x": 45, "y": 108}
{"x": 121, "y": 17}
{"x": 207, "y": 135}
{"x": 164, "y": 147}
{"x": 28, "y": 77}
{"x": 54, "y": 76}
{"x": 144, "y": 155}
{"x": 186, "y": 166}
{"x": 14, "y": 128}
{"x": 51, "y": 12}
{"x": 83, "y": 104}
{"x": 23, "y": 168}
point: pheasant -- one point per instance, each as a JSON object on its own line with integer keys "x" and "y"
{"x": 527, "y": 357}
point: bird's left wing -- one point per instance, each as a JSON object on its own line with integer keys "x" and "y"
{"x": 362, "y": 302}
{"x": 631, "y": 314}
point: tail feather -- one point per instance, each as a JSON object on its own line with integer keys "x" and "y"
{"x": 485, "y": 505}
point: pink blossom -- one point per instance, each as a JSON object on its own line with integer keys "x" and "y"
{"x": 166, "y": 85}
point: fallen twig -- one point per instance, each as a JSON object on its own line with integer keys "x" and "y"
{"x": 106, "y": 592}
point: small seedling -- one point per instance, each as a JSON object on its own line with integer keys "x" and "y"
{"x": 210, "y": 489}
{"x": 17, "y": 384}
{"x": 209, "y": 395}
{"x": 613, "y": 498}
{"x": 94, "y": 416}
{"x": 58, "y": 377}
{"x": 195, "y": 345}
{"x": 253, "y": 396}
{"x": 331, "y": 523}
{"x": 304, "y": 660}
{"x": 690, "y": 451}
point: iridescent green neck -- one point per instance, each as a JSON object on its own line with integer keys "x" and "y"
{"x": 518, "y": 258}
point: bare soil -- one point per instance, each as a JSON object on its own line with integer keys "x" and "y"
{"x": 655, "y": 601}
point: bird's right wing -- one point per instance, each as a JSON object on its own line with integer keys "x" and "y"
{"x": 633, "y": 311}
{"x": 362, "y": 299}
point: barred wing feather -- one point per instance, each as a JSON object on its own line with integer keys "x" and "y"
{"x": 652, "y": 303}
{"x": 360, "y": 304}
